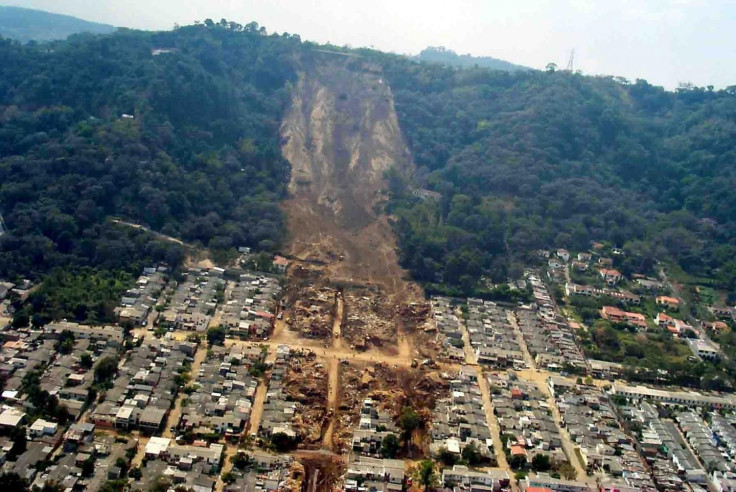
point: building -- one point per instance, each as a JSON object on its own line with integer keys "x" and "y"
{"x": 42, "y": 428}
{"x": 610, "y": 276}
{"x": 616, "y": 315}
{"x": 703, "y": 349}
{"x": 687, "y": 398}
{"x": 280, "y": 264}
{"x": 668, "y": 302}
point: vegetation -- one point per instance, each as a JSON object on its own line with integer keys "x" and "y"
{"x": 216, "y": 335}
{"x": 198, "y": 158}
{"x": 449, "y": 57}
{"x": 390, "y": 446}
{"x": 529, "y": 160}
{"x": 105, "y": 370}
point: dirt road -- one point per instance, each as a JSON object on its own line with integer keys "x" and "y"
{"x": 175, "y": 414}
{"x": 260, "y": 397}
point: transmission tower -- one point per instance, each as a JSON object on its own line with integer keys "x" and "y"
{"x": 570, "y": 61}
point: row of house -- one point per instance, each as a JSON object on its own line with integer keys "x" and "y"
{"x": 492, "y": 336}
{"x": 249, "y": 306}
{"x": 448, "y": 326}
{"x": 622, "y": 296}
{"x": 460, "y": 419}
{"x": 145, "y": 387}
{"x": 602, "y": 444}
{"x": 194, "y": 300}
{"x": 137, "y": 302}
{"x": 373, "y": 427}
{"x": 687, "y": 398}
{"x": 550, "y": 341}
{"x": 223, "y": 397}
{"x": 673, "y": 465}
{"x": 702, "y": 439}
{"x": 524, "y": 413}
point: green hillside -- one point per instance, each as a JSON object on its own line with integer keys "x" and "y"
{"x": 449, "y": 57}
{"x": 522, "y": 160}
{"x": 36, "y": 25}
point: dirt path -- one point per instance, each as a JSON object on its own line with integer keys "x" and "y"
{"x": 485, "y": 393}
{"x": 260, "y": 397}
{"x": 175, "y": 414}
{"x": 337, "y": 323}
{"x": 333, "y": 382}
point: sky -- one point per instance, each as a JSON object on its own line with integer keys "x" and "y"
{"x": 666, "y": 42}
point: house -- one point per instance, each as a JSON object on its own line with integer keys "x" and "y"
{"x": 423, "y": 194}
{"x": 580, "y": 266}
{"x": 585, "y": 257}
{"x": 42, "y": 428}
{"x": 669, "y": 302}
{"x": 544, "y": 481}
{"x": 280, "y": 264}
{"x": 722, "y": 312}
{"x": 605, "y": 262}
{"x": 610, "y": 276}
{"x": 664, "y": 321}
{"x": 703, "y": 349}
{"x": 563, "y": 254}
{"x": 554, "y": 263}
{"x": 716, "y": 326}
{"x": 616, "y": 315}
{"x": 11, "y": 418}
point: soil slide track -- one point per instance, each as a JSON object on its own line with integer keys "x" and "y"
{"x": 340, "y": 135}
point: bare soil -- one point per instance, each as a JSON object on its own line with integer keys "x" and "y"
{"x": 340, "y": 136}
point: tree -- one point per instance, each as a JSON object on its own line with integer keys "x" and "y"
{"x": 106, "y": 369}
{"x": 427, "y": 474}
{"x": 18, "y": 436}
{"x": 471, "y": 454}
{"x": 135, "y": 473}
{"x": 517, "y": 462}
{"x": 390, "y": 446}
{"x": 240, "y": 461}
{"x": 88, "y": 467}
{"x": 541, "y": 462}
{"x": 446, "y": 457}
{"x": 282, "y": 442}
{"x": 85, "y": 360}
{"x": 13, "y": 481}
{"x": 216, "y": 335}
{"x": 409, "y": 420}
{"x": 567, "y": 471}
{"x": 66, "y": 342}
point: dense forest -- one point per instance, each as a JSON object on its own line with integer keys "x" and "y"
{"x": 177, "y": 130}
{"x": 529, "y": 160}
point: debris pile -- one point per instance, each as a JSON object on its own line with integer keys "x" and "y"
{"x": 390, "y": 389}
{"x": 305, "y": 382}
{"x": 368, "y": 319}
{"x": 312, "y": 303}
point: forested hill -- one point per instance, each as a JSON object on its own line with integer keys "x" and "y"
{"x": 179, "y": 130}
{"x": 449, "y": 57}
{"x": 531, "y": 159}
{"x": 36, "y": 25}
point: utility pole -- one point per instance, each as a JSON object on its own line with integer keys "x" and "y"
{"x": 570, "y": 61}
